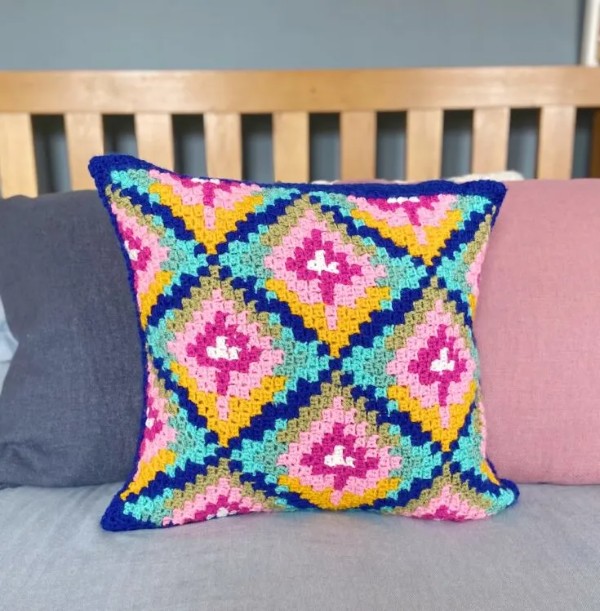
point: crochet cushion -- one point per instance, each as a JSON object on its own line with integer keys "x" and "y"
{"x": 304, "y": 346}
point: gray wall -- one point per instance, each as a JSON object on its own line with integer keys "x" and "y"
{"x": 54, "y": 34}
{"x": 122, "y": 34}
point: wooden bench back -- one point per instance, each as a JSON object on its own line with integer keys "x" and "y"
{"x": 222, "y": 97}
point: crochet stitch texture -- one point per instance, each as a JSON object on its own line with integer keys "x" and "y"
{"x": 305, "y": 346}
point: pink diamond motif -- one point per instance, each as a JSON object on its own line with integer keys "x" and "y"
{"x": 339, "y": 454}
{"x": 435, "y": 364}
{"x": 318, "y": 266}
{"x": 223, "y": 347}
{"x": 224, "y": 352}
{"x": 317, "y": 261}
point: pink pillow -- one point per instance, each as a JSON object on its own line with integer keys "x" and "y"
{"x": 538, "y": 331}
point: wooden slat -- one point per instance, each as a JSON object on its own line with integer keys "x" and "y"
{"x": 130, "y": 92}
{"x": 223, "y": 136}
{"x": 556, "y": 142}
{"x": 595, "y": 156}
{"x": 291, "y": 146}
{"x": 154, "y": 135}
{"x": 424, "y": 133}
{"x": 84, "y": 140}
{"x": 490, "y": 139}
{"x": 358, "y": 134}
{"x": 17, "y": 158}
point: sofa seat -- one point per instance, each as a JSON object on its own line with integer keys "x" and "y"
{"x": 544, "y": 553}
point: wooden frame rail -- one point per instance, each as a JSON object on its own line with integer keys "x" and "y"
{"x": 222, "y": 97}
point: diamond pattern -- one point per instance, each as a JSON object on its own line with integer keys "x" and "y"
{"x": 306, "y": 347}
{"x": 224, "y": 356}
{"x": 336, "y": 455}
{"x": 325, "y": 277}
{"x": 433, "y": 368}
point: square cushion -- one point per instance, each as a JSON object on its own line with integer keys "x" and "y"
{"x": 69, "y": 408}
{"x": 305, "y": 346}
{"x": 538, "y": 330}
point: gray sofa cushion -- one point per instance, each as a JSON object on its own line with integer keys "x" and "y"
{"x": 70, "y": 405}
{"x": 543, "y": 554}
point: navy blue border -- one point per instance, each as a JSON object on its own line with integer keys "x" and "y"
{"x": 100, "y": 168}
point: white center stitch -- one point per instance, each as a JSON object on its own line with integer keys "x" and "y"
{"x": 442, "y": 363}
{"x": 337, "y": 458}
{"x": 402, "y": 200}
{"x": 133, "y": 253}
{"x": 215, "y": 181}
{"x": 319, "y": 264}
{"x": 222, "y": 351}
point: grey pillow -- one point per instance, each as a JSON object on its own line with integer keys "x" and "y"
{"x": 69, "y": 409}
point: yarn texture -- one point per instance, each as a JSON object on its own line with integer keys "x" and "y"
{"x": 305, "y": 346}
